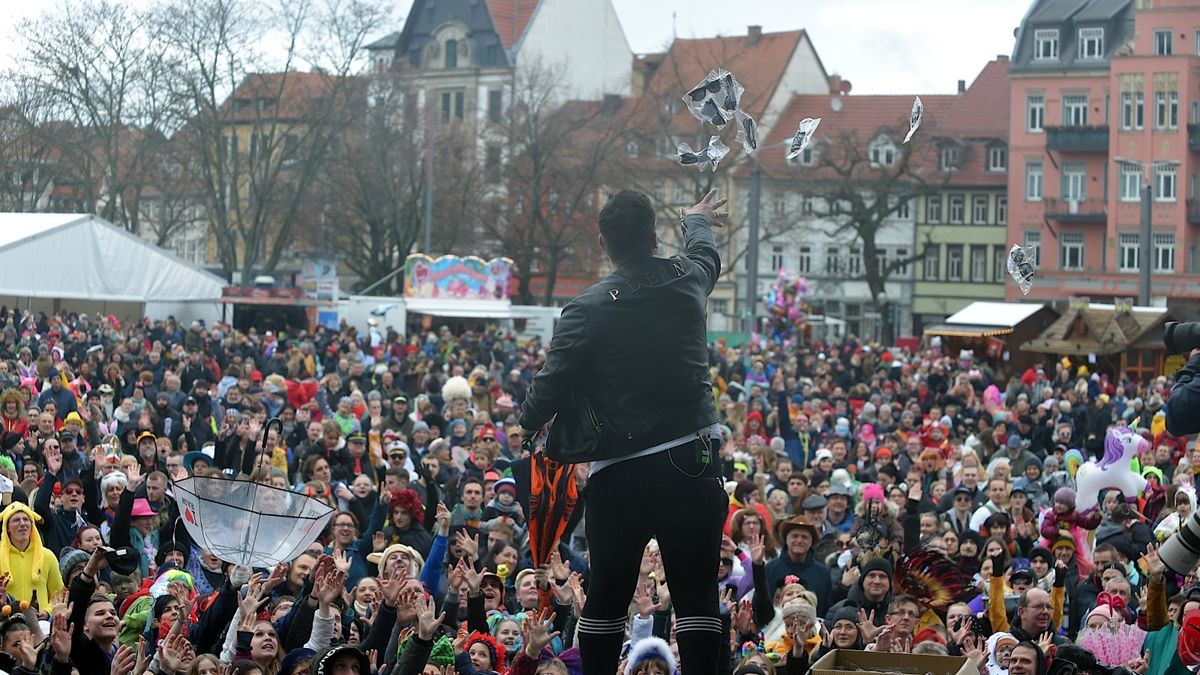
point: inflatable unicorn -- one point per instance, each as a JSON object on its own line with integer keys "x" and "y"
{"x": 1121, "y": 446}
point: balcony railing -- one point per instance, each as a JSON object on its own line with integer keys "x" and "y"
{"x": 1193, "y": 136}
{"x": 1076, "y": 210}
{"x": 1077, "y": 139}
{"x": 1193, "y": 211}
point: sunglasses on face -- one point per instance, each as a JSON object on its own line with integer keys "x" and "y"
{"x": 73, "y": 491}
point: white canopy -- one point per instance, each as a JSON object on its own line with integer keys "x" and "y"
{"x": 82, "y": 257}
{"x": 998, "y": 314}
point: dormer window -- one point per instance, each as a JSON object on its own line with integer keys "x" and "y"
{"x": 1091, "y": 43}
{"x": 1045, "y": 44}
{"x": 951, "y": 157}
{"x": 881, "y": 152}
{"x": 451, "y": 54}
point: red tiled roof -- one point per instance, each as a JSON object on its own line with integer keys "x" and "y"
{"x": 983, "y": 109}
{"x": 511, "y": 18}
{"x": 757, "y": 65}
{"x": 863, "y": 116}
{"x": 296, "y": 93}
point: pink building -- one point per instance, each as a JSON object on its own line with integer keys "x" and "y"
{"x": 1106, "y": 96}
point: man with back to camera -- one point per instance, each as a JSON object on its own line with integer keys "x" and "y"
{"x": 633, "y": 348}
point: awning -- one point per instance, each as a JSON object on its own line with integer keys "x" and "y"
{"x": 463, "y": 309}
{"x": 278, "y": 302}
{"x": 967, "y": 330}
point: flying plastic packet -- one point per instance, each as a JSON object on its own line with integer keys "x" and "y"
{"x": 914, "y": 121}
{"x": 1020, "y": 266}
{"x": 706, "y": 158}
{"x": 808, "y": 126}
{"x": 716, "y": 98}
{"x": 747, "y": 132}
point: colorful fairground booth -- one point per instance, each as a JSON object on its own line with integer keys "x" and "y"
{"x": 992, "y": 331}
{"x": 1114, "y": 338}
{"x": 458, "y": 292}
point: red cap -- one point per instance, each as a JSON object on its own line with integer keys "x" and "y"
{"x": 255, "y": 376}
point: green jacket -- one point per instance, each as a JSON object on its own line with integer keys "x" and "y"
{"x": 133, "y": 624}
{"x": 1161, "y": 643}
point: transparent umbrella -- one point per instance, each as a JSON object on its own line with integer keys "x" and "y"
{"x": 249, "y": 523}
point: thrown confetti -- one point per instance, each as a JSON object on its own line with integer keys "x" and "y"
{"x": 915, "y": 119}
{"x": 747, "y": 132}
{"x": 1020, "y": 266}
{"x": 804, "y": 134}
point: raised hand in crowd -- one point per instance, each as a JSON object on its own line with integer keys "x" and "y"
{"x": 536, "y": 632}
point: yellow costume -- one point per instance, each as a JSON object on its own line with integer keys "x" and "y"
{"x": 35, "y": 568}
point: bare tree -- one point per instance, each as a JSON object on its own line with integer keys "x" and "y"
{"x": 856, "y": 198}
{"x": 258, "y": 141}
{"x": 96, "y": 69}
{"x": 375, "y": 184}
{"x": 559, "y": 158}
{"x": 27, "y": 161}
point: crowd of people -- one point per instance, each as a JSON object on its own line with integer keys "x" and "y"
{"x": 841, "y": 461}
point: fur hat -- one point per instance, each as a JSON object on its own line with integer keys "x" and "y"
{"x": 456, "y": 387}
{"x": 650, "y": 648}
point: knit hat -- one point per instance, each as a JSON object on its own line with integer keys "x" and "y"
{"x": 496, "y": 649}
{"x": 849, "y": 612}
{"x": 650, "y": 648}
{"x": 69, "y": 559}
{"x": 9, "y": 440}
{"x": 1065, "y": 495}
{"x": 1043, "y": 553}
{"x": 294, "y": 658}
{"x": 877, "y": 564}
{"x": 322, "y": 661}
{"x": 797, "y": 606}
{"x": 506, "y": 484}
{"x": 442, "y": 653}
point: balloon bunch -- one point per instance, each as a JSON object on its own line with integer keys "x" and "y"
{"x": 787, "y": 310}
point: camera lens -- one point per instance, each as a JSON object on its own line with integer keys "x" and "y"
{"x": 1181, "y": 337}
{"x": 1180, "y": 552}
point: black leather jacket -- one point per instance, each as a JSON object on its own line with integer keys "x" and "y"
{"x": 634, "y": 347}
{"x": 1183, "y": 407}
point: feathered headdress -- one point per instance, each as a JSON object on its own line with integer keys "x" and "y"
{"x": 933, "y": 579}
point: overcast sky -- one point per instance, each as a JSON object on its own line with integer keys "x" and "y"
{"x": 881, "y": 46}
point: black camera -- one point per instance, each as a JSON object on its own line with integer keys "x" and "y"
{"x": 1181, "y": 338}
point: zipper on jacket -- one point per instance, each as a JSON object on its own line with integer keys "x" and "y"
{"x": 595, "y": 420}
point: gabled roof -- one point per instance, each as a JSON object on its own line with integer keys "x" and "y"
{"x": 287, "y": 95}
{"x": 1098, "y": 329}
{"x": 511, "y": 18}
{"x": 864, "y": 116}
{"x": 982, "y": 110}
{"x": 758, "y": 63}
{"x": 1067, "y": 16}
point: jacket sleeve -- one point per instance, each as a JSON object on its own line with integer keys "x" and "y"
{"x": 568, "y": 351}
{"x": 701, "y": 248}
{"x": 1156, "y": 604}
{"x": 431, "y": 574}
{"x": 322, "y": 632}
{"x": 997, "y": 613}
{"x": 206, "y": 633}
{"x": 476, "y": 616}
{"x": 764, "y": 609}
{"x": 1185, "y": 400}
{"x": 121, "y": 524}
{"x": 1058, "y": 597}
{"x": 412, "y": 661}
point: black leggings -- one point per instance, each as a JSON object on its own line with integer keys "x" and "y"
{"x": 672, "y": 497}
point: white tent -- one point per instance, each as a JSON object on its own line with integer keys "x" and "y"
{"x": 52, "y": 261}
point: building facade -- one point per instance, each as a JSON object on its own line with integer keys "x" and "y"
{"x": 1105, "y": 100}
{"x": 962, "y": 228}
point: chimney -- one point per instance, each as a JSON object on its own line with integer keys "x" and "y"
{"x": 611, "y": 104}
{"x": 835, "y": 84}
{"x": 962, "y": 86}
{"x": 753, "y": 33}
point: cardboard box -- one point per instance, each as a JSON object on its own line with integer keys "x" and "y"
{"x": 847, "y": 662}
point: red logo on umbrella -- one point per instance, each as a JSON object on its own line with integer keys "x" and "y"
{"x": 187, "y": 514}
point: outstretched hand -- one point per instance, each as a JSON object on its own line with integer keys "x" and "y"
{"x": 708, "y": 206}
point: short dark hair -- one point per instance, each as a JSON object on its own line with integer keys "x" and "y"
{"x": 627, "y": 221}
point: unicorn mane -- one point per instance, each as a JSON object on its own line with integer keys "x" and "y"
{"x": 1114, "y": 447}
